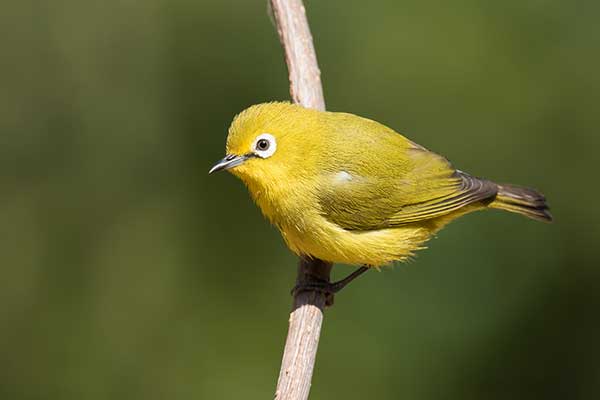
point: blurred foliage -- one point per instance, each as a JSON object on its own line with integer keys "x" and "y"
{"x": 127, "y": 273}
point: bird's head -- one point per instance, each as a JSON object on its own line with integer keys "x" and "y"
{"x": 267, "y": 142}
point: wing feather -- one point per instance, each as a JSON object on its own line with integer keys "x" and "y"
{"x": 430, "y": 188}
{"x": 469, "y": 190}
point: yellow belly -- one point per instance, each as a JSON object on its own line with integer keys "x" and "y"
{"x": 318, "y": 237}
{"x": 325, "y": 240}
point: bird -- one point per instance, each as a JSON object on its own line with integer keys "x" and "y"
{"x": 347, "y": 189}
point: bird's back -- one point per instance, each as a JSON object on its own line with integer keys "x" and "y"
{"x": 373, "y": 177}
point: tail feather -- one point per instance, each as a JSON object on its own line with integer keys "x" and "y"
{"x": 524, "y": 201}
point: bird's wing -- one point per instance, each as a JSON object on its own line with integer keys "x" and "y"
{"x": 424, "y": 188}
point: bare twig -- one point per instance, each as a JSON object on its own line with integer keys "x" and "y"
{"x": 300, "y": 56}
{"x": 306, "y": 317}
{"x": 304, "y": 330}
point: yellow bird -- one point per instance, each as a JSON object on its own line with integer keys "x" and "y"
{"x": 350, "y": 190}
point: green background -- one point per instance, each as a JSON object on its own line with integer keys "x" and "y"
{"x": 126, "y": 272}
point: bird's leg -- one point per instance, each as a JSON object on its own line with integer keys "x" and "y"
{"x": 329, "y": 288}
{"x": 342, "y": 283}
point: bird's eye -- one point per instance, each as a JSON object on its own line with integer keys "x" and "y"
{"x": 262, "y": 145}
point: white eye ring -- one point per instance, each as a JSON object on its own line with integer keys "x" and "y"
{"x": 264, "y": 145}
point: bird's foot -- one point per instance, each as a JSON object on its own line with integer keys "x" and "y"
{"x": 328, "y": 288}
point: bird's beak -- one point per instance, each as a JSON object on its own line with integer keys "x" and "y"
{"x": 230, "y": 161}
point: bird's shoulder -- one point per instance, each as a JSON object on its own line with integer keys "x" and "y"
{"x": 366, "y": 147}
{"x": 372, "y": 177}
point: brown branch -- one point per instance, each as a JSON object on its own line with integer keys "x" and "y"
{"x": 300, "y": 56}
{"x": 306, "y": 317}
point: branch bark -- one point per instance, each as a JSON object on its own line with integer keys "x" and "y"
{"x": 300, "y": 55}
{"x": 306, "y": 317}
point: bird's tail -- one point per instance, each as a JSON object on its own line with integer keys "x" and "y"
{"x": 524, "y": 201}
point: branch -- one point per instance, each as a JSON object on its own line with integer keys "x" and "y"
{"x": 300, "y": 56}
{"x": 306, "y": 317}
{"x": 304, "y": 330}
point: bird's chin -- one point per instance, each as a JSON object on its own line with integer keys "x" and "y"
{"x": 239, "y": 171}
{"x": 244, "y": 173}
{"x": 249, "y": 175}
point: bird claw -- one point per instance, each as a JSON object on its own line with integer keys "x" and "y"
{"x": 329, "y": 289}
